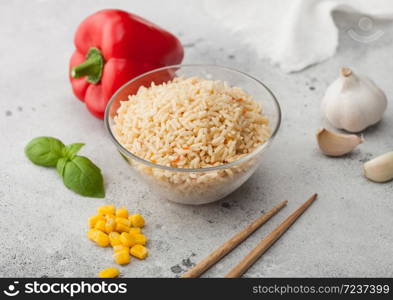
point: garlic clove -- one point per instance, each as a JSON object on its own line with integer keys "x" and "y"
{"x": 353, "y": 102}
{"x": 336, "y": 144}
{"x": 345, "y": 71}
{"x": 379, "y": 169}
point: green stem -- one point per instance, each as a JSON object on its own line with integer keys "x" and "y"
{"x": 91, "y": 67}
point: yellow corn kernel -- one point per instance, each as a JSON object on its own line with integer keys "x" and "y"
{"x": 101, "y": 239}
{"x": 109, "y": 273}
{"x": 127, "y": 239}
{"x": 122, "y": 228}
{"x": 100, "y": 225}
{"x": 106, "y": 210}
{"x": 110, "y": 224}
{"x": 91, "y": 234}
{"x": 140, "y": 239}
{"x": 119, "y": 248}
{"x": 123, "y": 221}
{"x": 137, "y": 220}
{"x": 108, "y": 217}
{"x": 114, "y": 239}
{"x": 93, "y": 220}
{"x": 122, "y": 224}
{"x": 122, "y": 257}
{"x": 122, "y": 212}
{"x": 134, "y": 230}
{"x": 139, "y": 251}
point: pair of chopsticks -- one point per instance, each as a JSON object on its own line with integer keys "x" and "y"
{"x": 261, "y": 247}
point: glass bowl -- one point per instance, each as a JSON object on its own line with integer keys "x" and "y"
{"x": 203, "y": 185}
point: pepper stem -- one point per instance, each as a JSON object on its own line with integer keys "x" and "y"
{"x": 91, "y": 67}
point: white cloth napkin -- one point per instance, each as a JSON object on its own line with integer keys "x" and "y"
{"x": 295, "y": 34}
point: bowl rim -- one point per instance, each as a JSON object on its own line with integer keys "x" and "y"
{"x": 259, "y": 149}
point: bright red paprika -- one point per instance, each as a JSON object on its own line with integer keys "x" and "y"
{"x": 112, "y": 47}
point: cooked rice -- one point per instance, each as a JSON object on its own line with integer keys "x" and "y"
{"x": 191, "y": 123}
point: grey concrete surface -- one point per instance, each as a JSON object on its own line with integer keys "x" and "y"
{"x": 347, "y": 232}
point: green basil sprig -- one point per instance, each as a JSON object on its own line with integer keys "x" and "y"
{"x": 79, "y": 173}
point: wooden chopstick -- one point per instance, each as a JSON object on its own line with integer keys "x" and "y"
{"x": 229, "y": 245}
{"x": 269, "y": 240}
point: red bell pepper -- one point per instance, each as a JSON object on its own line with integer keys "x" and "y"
{"x": 112, "y": 47}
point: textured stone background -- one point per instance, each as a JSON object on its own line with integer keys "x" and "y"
{"x": 347, "y": 232}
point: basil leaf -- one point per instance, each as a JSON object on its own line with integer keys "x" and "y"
{"x": 83, "y": 177}
{"x": 72, "y": 149}
{"x": 61, "y": 163}
{"x": 44, "y": 151}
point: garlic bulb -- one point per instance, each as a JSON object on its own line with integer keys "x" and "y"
{"x": 353, "y": 102}
{"x": 380, "y": 169}
{"x": 336, "y": 144}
